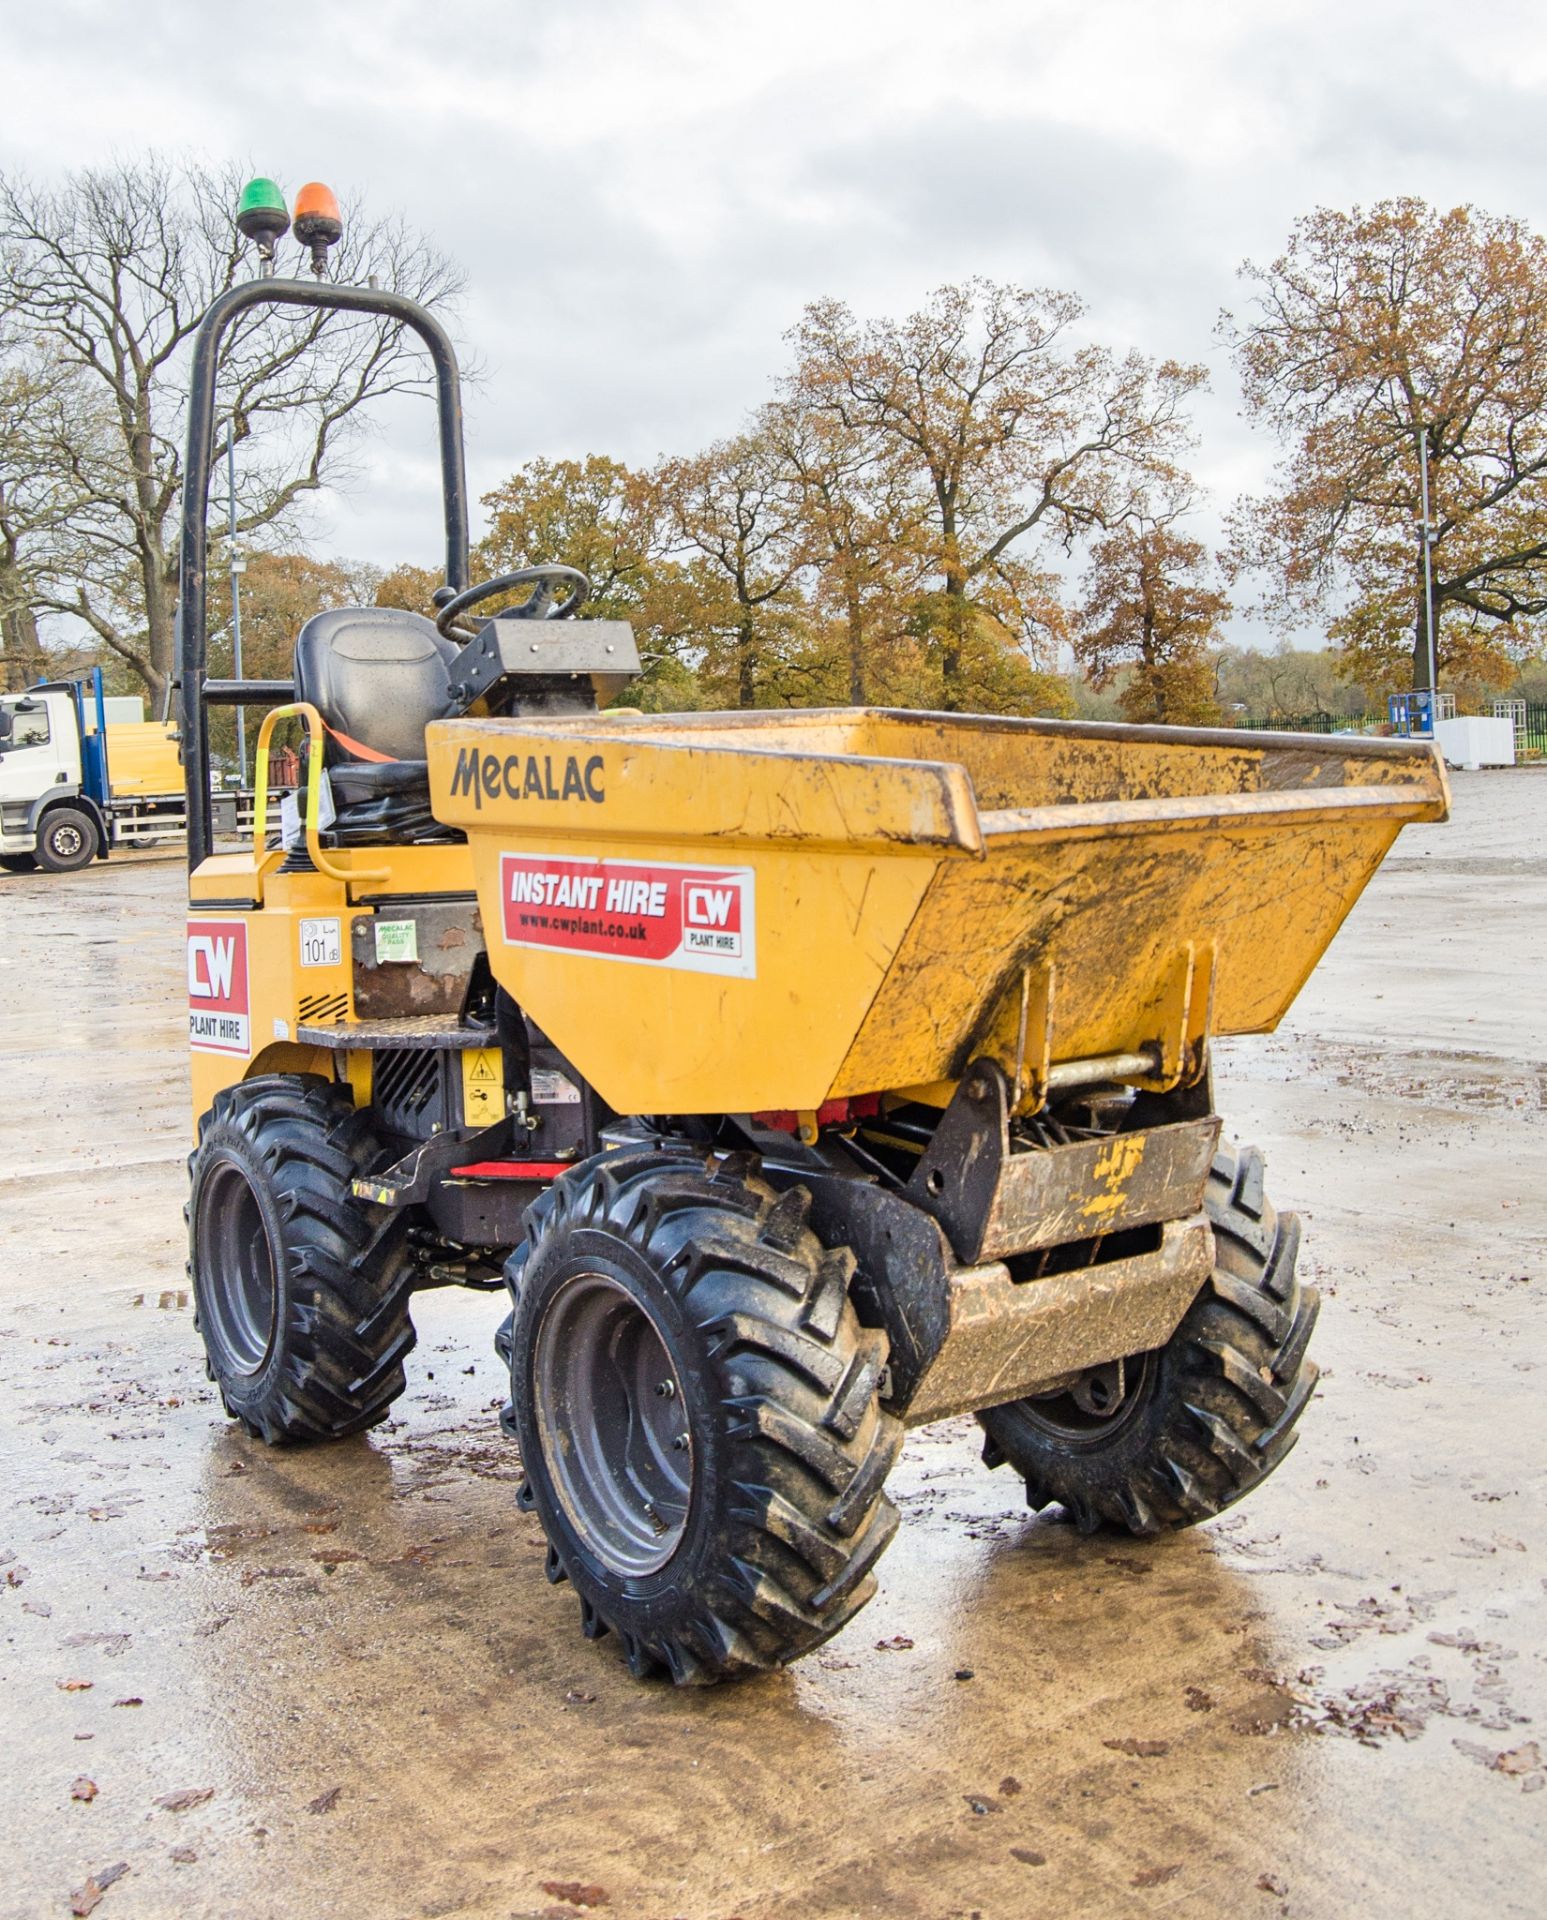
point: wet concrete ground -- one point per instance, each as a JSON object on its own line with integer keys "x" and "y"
{"x": 336, "y": 1682}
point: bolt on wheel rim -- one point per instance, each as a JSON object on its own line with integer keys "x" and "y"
{"x": 614, "y": 1430}
{"x": 236, "y": 1266}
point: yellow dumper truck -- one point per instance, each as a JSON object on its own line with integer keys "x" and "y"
{"x": 800, "y": 1076}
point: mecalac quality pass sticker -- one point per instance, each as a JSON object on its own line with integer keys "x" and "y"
{"x": 698, "y": 919}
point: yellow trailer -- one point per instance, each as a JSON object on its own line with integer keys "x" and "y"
{"x": 799, "y": 1076}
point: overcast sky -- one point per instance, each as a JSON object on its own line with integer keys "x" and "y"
{"x": 644, "y": 193}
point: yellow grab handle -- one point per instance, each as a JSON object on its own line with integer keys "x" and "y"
{"x": 316, "y": 737}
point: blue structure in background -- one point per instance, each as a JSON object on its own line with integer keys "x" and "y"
{"x": 1412, "y": 714}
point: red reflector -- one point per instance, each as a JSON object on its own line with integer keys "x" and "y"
{"x": 511, "y": 1170}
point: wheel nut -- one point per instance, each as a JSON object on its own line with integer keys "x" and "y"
{"x": 667, "y": 1389}
{"x": 680, "y": 1444}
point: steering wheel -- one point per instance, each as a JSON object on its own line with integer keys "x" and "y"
{"x": 538, "y": 607}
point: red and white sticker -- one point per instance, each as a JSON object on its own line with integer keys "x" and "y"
{"x": 697, "y": 919}
{"x": 218, "y": 1012}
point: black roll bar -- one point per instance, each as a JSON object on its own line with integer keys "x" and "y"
{"x": 193, "y": 612}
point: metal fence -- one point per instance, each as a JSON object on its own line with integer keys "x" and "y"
{"x": 1530, "y": 722}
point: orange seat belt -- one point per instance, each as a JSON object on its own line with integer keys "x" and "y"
{"x": 357, "y": 748}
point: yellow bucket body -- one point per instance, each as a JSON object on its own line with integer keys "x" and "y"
{"x": 732, "y": 912}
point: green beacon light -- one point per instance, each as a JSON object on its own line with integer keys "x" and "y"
{"x": 262, "y": 216}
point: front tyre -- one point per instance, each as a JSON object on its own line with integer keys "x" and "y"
{"x": 1168, "y": 1438}
{"x": 301, "y": 1291}
{"x": 699, "y": 1413}
{"x": 67, "y": 840}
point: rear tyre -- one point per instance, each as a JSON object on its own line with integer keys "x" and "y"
{"x": 19, "y": 862}
{"x": 1177, "y": 1435}
{"x": 67, "y": 839}
{"x": 300, "y": 1291}
{"x": 699, "y": 1415}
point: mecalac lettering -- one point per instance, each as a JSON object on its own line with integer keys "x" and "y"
{"x": 217, "y": 987}
{"x": 697, "y": 919}
{"x": 464, "y": 777}
{"x": 526, "y": 777}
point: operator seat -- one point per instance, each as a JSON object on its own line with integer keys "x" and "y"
{"x": 378, "y": 676}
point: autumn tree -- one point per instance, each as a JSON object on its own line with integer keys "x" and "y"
{"x": 1018, "y": 440}
{"x": 108, "y": 275}
{"x": 864, "y": 539}
{"x": 593, "y": 514}
{"x": 609, "y": 521}
{"x": 1373, "y": 333}
{"x": 1148, "y": 620}
{"x": 734, "y": 523}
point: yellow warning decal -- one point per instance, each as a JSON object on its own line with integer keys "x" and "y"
{"x": 483, "y": 1087}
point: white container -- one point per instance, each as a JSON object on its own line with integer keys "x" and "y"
{"x": 1474, "y": 741}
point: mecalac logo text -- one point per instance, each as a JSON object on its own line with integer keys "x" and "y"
{"x": 526, "y": 776}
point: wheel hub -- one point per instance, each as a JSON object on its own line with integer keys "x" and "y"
{"x": 1091, "y": 1407}
{"x": 239, "y": 1295}
{"x": 615, "y": 1435}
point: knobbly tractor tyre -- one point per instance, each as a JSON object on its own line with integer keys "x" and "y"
{"x": 67, "y": 840}
{"x": 300, "y": 1291}
{"x": 1175, "y": 1436}
{"x": 698, "y": 1411}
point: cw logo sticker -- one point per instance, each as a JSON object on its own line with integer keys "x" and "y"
{"x": 218, "y": 1013}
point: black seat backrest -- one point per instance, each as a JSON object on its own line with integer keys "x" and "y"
{"x": 378, "y": 674}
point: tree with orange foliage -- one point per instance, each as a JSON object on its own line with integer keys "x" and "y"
{"x": 1372, "y": 332}
{"x": 1149, "y": 619}
{"x": 1012, "y": 435}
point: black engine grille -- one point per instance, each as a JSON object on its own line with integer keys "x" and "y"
{"x": 409, "y": 1089}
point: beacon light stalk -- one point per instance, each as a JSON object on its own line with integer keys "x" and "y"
{"x": 317, "y": 222}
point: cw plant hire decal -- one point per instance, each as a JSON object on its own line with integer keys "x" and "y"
{"x": 655, "y": 914}
{"x": 526, "y": 776}
{"x": 217, "y": 987}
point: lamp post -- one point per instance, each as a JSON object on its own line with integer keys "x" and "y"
{"x": 1426, "y": 541}
{"x": 238, "y": 566}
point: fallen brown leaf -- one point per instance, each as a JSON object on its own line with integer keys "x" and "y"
{"x": 325, "y": 1802}
{"x": 129, "y": 1700}
{"x": 576, "y": 1892}
{"x": 896, "y": 1643}
{"x": 83, "y": 1789}
{"x": 85, "y": 1898}
{"x": 75, "y": 1686}
{"x": 1198, "y": 1700}
{"x": 1155, "y": 1876}
{"x": 1524, "y": 1759}
{"x": 1028, "y": 1856}
{"x": 108, "y": 1642}
{"x": 184, "y": 1798}
{"x": 184, "y": 1856}
{"x": 1139, "y": 1749}
{"x": 1270, "y": 1883}
{"x": 250, "y": 1575}
{"x": 1009, "y": 1786}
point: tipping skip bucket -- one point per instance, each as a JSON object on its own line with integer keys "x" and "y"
{"x": 734, "y": 912}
